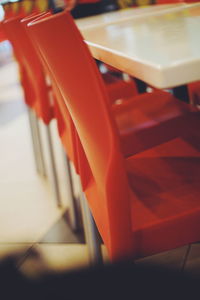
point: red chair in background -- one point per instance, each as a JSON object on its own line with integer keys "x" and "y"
{"x": 21, "y": 9}
{"x": 12, "y": 10}
{"x": 143, "y": 204}
{"x": 37, "y": 93}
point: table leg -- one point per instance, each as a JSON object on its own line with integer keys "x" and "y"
{"x": 141, "y": 86}
{"x": 181, "y": 92}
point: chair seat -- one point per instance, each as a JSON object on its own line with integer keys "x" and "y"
{"x": 151, "y": 119}
{"x": 166, "y": 213}
{"x": 119, "y": 89}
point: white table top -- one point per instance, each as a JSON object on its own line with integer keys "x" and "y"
{"x": 160, "y": 47}
{"x": 123, "y": 14}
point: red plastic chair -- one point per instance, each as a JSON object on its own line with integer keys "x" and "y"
{"x": 142, "y": 205}
{"x": 21, "y": 9}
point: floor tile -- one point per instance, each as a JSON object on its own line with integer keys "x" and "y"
{"x": 10, "y": 110}
{"x": 172, "y": 259}
{"x": 15, "y": 252}
{"x": 5, "y": 51}
{"x": 25, "y": 215}
{"x": 10, "y": 249}
{"x": 61, "y": 233}
{"x": 192, "y": 265}
{"x": 10, "y": 87}
{"x": 57, "y": 258}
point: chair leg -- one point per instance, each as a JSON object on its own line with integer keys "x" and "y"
{"x": 39, "y": 145}
{"x": 53, "y": 167}
{"x": 34, "y": 143}
{"x": 73, "y": 211}
{"x": 40, "y": 168}
{"x": 91, "y": 233}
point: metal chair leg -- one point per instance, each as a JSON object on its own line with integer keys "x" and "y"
{"x": 34, "y": 142}
{"x": 53, "y": 168}
{"x": 39, "y": 145}
{"x": 73, "y": 210}
{"x": 91, "y": 234}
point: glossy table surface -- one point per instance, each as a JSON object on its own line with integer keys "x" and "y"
{"x": 159, "y": 44}
{"x": 124, "y": 14}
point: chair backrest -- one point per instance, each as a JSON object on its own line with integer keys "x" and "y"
{"x": 7, "y": 7}
{"x": 7, "y": 27}
{"x": 14, "y": 9}
{"x": 26, "y": 7}
{"x": 29, "y": 61}
{"x": 3, "y": 36}
{"x": 64, "y": 122}
{"x": 72, "y": 67}
{"x": 41, "y": 5}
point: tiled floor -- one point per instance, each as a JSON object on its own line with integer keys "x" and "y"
{"x": 30, "y": 222}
